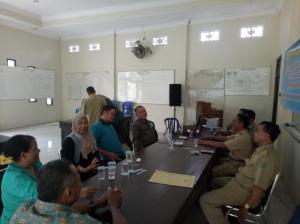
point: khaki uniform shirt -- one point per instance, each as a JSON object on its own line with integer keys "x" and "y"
{"x": 92, "y": 107}
{"x": 260, "y": 169}
{"x": 239, "y": 145}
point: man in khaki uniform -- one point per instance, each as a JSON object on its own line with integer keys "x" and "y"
{"x": 92, "y": 106}
{"x": 247, "y": 188}
{"x": 239, "y": 146}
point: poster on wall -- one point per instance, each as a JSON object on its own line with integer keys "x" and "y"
{"x": 248, "y": 81}
{"x": 290, "y": 95}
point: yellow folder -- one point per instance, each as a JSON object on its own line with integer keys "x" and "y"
{"x": 173, "y": 179}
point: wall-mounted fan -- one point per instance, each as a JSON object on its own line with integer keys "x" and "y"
{"x": 140, "y": 50}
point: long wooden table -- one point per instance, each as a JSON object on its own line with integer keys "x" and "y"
{"x": 146, "y": 202}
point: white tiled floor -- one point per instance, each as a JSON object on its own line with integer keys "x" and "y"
{"x": 47, "y": 136}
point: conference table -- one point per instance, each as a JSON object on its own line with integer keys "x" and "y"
{"x": 145, "y": 202}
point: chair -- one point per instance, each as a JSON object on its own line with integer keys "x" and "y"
{"x": 172, "y": 125}
{"x": 77, "y": 110}
{"x": 254, "y": 215}
{"x": 127, "y": 109}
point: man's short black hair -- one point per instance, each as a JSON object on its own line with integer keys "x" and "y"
{"x": 16, "y": 145}
{"x": 107, "y": 108}
{"x": 90, "y": 90}
{"x": 272, "y": 129}
{"x": 242, "y": 110}
{"x": 250, "y": 113}
{"x": 243, "y": 119}
{"x": 137, "y": 107}
{"x": 53, "y": 178}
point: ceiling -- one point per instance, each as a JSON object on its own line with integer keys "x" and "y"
{"x": 75, "y": 18}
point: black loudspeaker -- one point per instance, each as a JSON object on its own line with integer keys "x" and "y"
{"x": 174, "y": 95}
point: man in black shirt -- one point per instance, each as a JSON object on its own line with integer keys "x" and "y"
{"x": 144, "y": 133}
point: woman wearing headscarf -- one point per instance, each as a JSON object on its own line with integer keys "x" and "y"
{"x": 80, "y": 148}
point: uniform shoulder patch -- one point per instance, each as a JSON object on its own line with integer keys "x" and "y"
{"x": 263, "y": 164}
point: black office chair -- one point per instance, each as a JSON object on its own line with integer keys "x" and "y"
{"x": 254, "y": 215}
{"x": 172, "y": 125}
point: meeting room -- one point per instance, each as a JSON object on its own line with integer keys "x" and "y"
{"x": 149, "y": 111}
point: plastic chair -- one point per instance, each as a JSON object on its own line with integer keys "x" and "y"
{"x": 77, "y": 110}
{"x": 127, "y": 108}
{"x": 254, "y": 215}
{"x": 172, "y": 125}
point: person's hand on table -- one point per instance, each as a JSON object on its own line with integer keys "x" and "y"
{"x": 93, "y": 165}
{"x": 115, "y": 197}
{"x": 113, "y": 156}
{"x": 87, "y": 192}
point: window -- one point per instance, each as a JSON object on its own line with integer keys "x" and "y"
{"x": 130, "y": 43}
{"x": 11, "y": 62}
{"x": 74, "y": 48}
{"x": 49, "y": 101}
{"x": 32, "y": 100}
{"x": 159, "y": 41}
{"x": 94, "y": 47}
{"x": 210, "y": 36}
{"x": 255, "y": 31}
{"x": 31, "y": 67}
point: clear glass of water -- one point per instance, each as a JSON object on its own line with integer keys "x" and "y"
{"x": 129, "y": 155}
{"x": 130, "y": 165}
{"x": 125, "y": 169}
{"x": 101, "y": 172}
{"x": 195, "y": 142}
{"x": 171, "y": 144}
{"x": 111, "y": 163}
{"x": 111, "y": 172}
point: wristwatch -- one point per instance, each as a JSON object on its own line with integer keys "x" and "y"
{"x": 246, "y": 206}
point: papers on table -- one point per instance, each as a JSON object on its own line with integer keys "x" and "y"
{"x": 173, "y": 179}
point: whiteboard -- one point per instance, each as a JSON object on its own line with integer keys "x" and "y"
{"x": 145, "y": 86}
{"x": 205, "y": 79}
{"x": 77, "y": 82}
{"x": 248, "y": 81}
{"x": 21, "y": 83}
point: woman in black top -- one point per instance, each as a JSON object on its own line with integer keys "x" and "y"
{"x": 80, "y": 148}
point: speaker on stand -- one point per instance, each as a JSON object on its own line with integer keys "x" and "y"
{"x": 174, "y": 97}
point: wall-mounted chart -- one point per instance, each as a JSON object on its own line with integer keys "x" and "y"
{"x": 20, "y": 83}
{"x": 145, "y": 86}
{"x": 248, "y": 81}
{"x": 77, "y": 82}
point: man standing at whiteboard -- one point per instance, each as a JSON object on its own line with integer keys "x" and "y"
{"x": 92, "y": 106}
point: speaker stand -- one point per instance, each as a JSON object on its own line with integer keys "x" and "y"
{"x": 175, "y": 112}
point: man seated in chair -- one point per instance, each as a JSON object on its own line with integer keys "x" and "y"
{"x": 249, "y": 185}
{"x": 106, "y": 136}
{"x": 239, "y": 145}
{"x": 143, "y": 130}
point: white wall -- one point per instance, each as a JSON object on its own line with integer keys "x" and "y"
{"x": 290, "y": 33}
{"x": 42, "y": 52}
{"x": 233, "y": 52}
{"x": 86, "y": 61}
{"x": 230, "y": 52}
{"x": 172, "y": 56}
